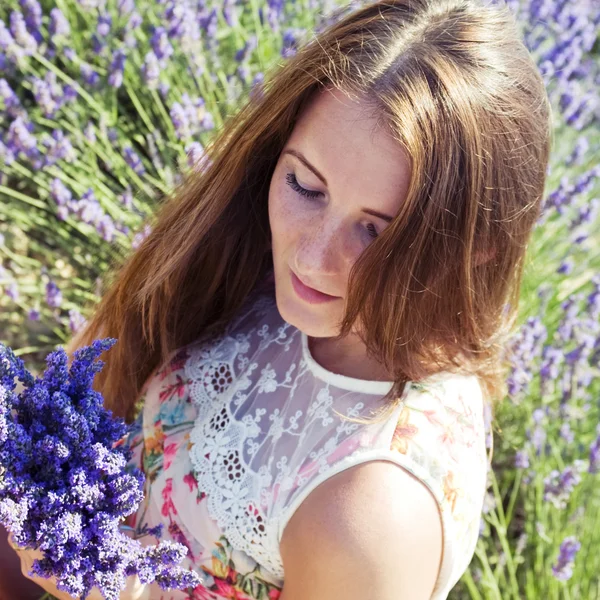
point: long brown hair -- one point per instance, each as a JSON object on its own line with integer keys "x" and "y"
{"x": 455, "y": 85}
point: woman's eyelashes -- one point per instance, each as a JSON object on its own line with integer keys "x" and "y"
{"x": 293, "y": 183}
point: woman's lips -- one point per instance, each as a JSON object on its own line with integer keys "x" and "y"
{"x": 309, "y": 294}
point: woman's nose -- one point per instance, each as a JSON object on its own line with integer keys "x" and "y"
{"x": 322, "y": 250}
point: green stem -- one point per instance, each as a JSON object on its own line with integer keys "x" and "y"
{"x": 22, "y": 197}
{"x": 171, "y": 132}
{"x": 20, "y": 259}
{"x": 490, "y": 579}
{"x": 468, "y": 581}
{"x": 502, "y": 529}
{"x": 138, "y": 105}
{"x": 513, "y": 496}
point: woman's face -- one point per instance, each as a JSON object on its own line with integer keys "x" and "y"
{"x": 338, "y": 182}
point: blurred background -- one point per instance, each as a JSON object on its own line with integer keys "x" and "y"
{"x": 106, "y": 104}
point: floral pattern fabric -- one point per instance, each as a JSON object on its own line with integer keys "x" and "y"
{"x": 236, "y": 431}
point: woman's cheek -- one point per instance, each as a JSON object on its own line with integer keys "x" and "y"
{"x": 288, "y": 216}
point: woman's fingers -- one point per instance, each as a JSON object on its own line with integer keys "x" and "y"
{"x": 27, "y": 557}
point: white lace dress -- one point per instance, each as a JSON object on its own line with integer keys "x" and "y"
{"x": 237, "y": 430}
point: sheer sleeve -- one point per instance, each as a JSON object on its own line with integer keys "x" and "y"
{"x": 440, "y": 436}
{"x": 437, "y": 434}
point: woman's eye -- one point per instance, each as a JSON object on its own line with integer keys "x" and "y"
{"x": 293, "y": 183}
{"x": 372, "y": 230}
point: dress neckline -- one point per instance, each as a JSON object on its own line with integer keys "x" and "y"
{"x": 342, "y": 381}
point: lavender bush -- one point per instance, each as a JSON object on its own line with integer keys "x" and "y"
{"x": 105, "y": 104}
{"x": 64, "y": 485}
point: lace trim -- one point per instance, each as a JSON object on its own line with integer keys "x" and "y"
{"x": 216, "y": 456}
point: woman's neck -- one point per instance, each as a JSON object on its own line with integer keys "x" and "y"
{"x": 348, "y": 357}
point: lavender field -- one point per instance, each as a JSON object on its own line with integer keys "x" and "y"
{"x": 106, "y": 104}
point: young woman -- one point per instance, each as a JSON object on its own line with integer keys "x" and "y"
{"x": 310, "y": 337}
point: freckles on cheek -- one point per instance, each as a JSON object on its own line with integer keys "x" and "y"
{"x": 283, "y": 217}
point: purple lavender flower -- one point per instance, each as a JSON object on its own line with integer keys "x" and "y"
{"x": 566, "y": 267}
{"x": 104, "y": 24}
{"x": 125, "y": 7}
{"x": 48, "y": 94}
{"x": 244, "y": 53}
{"x": 90, "y": 77}
{"x": 126, "y": 198}
{"x": 59, "y": 25}
{"x": 76, "y": 320}
{"x": 33, "y": 18}
{"x": 106, "y": 228}
{"x": 587, "y": 213}
{"x": 12, "y": 50}
{"x": 140, "y": 236}
{"x": 66, "y": 483}
{"x": 195, "y": 155}
{"x": 521, "y": 460}
{"x": 11, "y": 100}
{"x": 135, "y": 20}
{"x": 229, "y": 13}
{"x": 19, "y": 31}
{"x": 526, "y": 348}
{"x": 88, "y": 208}
{"x": 163, "y": 89}
{"x": 595, "y": 455}
{"x": 59, "y": 147}
{"x": 563, "y": 569}
{"x": 180, "y": 121}
{"x": 559, "y": 485}
{"x": 274, "y": 14}
{"x": 290, "y": 42}
{"x": 99, "y": 44}
{"x": 151, "y": 70}
{"x": 133, "y": 160}
{"x": 12, "y": 291}
{"x": 256, "y": 91}
{"x": 112, "y": 134}
{"x": 566, "y": 433}
{"x": 537, "y": 439}
{"x": 243, "y": 72}
{"x": 53, "y": 295}
{"x": 209, "y": 22}
{"x": 21, "y": 138}
{"x": 161, "y": 45}
{"x": 117, "y": 67}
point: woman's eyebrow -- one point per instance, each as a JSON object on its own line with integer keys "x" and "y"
{"x": 310, "y": 167}
{"x": 305, "y": 162}
{"x": 378, "y": 214}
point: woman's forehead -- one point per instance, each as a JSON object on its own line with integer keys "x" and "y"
{"x": 344, "y": 140}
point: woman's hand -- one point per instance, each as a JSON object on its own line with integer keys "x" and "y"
{"x": 12, "y": 583}
{"x": 134, "y": 590}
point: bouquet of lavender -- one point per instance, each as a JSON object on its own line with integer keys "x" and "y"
{"x": 64, "y": 485}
